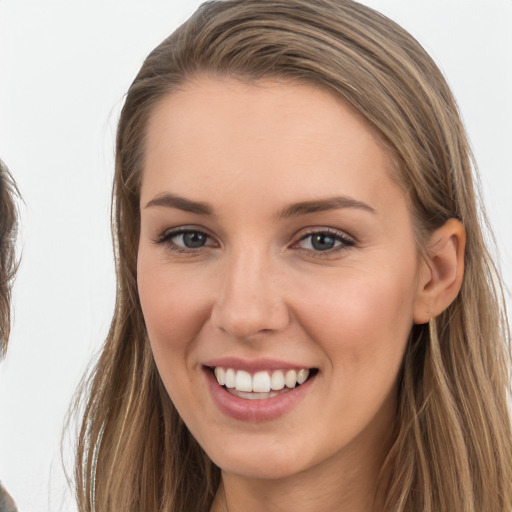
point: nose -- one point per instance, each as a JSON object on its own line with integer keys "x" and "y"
{"x": 251, "y": 299}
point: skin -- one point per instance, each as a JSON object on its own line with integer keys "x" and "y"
{"x": 259, "y": 288}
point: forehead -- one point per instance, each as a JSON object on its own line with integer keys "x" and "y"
{"x": 212, "y": 99}
{"x": 281, "y": 141}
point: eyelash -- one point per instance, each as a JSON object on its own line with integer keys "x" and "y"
{"x": 344, "y": 242}
{"x": 166, "y": 239}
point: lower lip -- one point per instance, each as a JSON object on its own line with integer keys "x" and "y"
{"x": 255, "y": 411}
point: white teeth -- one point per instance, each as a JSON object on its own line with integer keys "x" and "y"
{"x": 253, "y": 396}
{"x": 277, "y": 381}
{"x": 243, "y": 381}
{"x": 220, "y": 375}
{"x": 290, "y": 379}
{"x": 260, "y": 382}
{"x": 230, "y": 378}
{"x": 302, "y": 376}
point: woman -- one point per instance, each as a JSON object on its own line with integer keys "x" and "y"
{"x": 307, "y": 316}
{"x": 8, "y": 232}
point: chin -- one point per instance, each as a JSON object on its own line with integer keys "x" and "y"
{"x": 271, "y": 462}
{"x": 259, "y": 470}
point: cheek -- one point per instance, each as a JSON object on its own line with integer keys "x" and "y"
{"x": 174, "y": 309}
{"x": 362, "y": 323}
{"x": 362, "y": 327}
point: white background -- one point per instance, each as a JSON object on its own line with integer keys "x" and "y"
{"x": 64, "y": 67}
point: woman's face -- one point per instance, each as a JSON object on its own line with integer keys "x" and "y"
{"x": 275, "y": 246}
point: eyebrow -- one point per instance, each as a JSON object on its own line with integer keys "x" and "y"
{"x": 169, "y": 200}
{"x": 322, "y": 205}
{"x": 181, "y": 203}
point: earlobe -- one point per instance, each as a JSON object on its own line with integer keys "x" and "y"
{"x": 441, "y": 271}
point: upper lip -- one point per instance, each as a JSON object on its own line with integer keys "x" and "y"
{"x": 254, "y": 365}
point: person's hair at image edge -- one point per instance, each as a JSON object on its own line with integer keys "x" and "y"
{"x": 451, "y": 447}
{"x": 8, "y": 262}
{"x": 8, "y": 266}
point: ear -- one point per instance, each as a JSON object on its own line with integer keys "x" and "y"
{"x": 441, "y": 271}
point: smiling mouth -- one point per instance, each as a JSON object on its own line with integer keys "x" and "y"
{"x": 263, "y": 384}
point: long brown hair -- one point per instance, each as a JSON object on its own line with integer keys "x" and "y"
{"x": 452, "y": 444}
{"x": 8, "y": 263}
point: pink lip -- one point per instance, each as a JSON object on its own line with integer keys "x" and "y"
{"x": 252, "y": 366}
{"x": 255, "y": 411}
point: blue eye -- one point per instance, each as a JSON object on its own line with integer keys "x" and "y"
{"x": 182, "y": 240}
{"x": 324, "y": 241}
{"x": 190, "y": 239}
